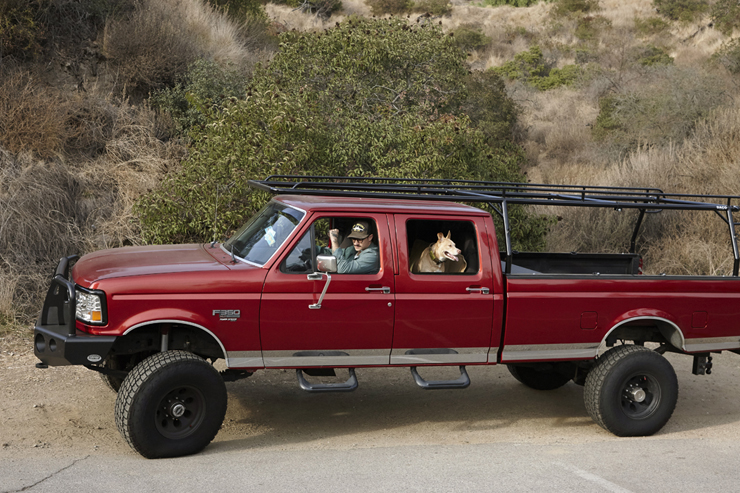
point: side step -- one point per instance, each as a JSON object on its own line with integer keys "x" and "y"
{"x": 348, "y": 386}
{"x": 461, "y": 383}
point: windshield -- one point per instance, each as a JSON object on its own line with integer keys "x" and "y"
{"x": 261, "y": 237}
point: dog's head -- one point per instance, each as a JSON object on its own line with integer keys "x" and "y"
{"x": 445, "y": 248}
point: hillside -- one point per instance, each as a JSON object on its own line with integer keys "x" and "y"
{"x": 95, "y": 112}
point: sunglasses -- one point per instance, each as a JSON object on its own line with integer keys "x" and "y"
{"x": 358, "y": 240}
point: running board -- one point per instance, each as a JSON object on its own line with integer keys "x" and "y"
{"x": 348, "y": 386}
{"x": 461, "y": 383}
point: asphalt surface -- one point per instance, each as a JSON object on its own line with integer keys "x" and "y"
{"x": 389, "y": 436}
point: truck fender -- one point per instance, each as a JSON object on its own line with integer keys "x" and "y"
{"x": 178, "y": 322}
{"x": 668, "y": 328}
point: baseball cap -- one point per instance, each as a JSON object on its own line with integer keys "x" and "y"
{"x": 360, "y": 230}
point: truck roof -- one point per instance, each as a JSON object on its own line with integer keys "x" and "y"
{"x": 388, "y": 205}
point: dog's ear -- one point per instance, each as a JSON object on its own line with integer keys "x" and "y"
{"x": 449, "y": 233}
{"x": 440, "y": 236}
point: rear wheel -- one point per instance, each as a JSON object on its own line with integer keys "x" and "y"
{"x": 540, "y": 377}
{"x": 171, "y": 404}
{"x": 631, "y": 391}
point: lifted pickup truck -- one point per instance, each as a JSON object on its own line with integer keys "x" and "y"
{"x": 153, "y": 319}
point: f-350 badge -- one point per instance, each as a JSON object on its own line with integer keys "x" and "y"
{"x": 227, "y": 315}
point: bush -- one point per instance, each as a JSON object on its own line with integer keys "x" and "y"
{"x": 469, "y": 37}
{"x": 588, "y": 27}
{"x": 650, "y": 26}
{"x": 240, "y": 10}
{"x": 662, "y": 109}
{"x": 511, "y": 3}
{"x": 728, "y": 56}
{"x": 726, "y": 16}
{"x": 489, "y": 108}
{"x": 570, "y": 7}
{"x": 681, "y": 10}
{"x": 435, "y": 7}
{"x": 530, "y": 67}
{"x": 20, "y": 35}
{"x": 392, "y": 7}
{"x": 320, "y": 108}
{"x": 652, "y": 55}
{"x": 205, "y": 83}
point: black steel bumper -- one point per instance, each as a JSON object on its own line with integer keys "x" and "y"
{"x": 54, "y": 346}
{"x": 56, "y": 341}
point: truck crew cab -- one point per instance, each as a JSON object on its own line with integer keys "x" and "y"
{"x": 153, "y": 319}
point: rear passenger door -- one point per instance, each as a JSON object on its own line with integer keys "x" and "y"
{"x": 442, "y": 318}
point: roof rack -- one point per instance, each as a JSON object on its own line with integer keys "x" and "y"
{"x": 500, "y": 194}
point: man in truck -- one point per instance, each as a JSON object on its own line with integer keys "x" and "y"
{"x": 360, "y": 258}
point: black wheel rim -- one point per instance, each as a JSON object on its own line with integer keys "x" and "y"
{"x": 640, "y": 396}
{"x": 180, "y": 413}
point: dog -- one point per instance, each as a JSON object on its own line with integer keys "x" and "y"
{"x": 440, "y": 257}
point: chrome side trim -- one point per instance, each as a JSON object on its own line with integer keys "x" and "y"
{"x": 679, "y": 341}
{"x": 712, "y": 344}
{"x": 464, "y": 355}
{"x": 549, "y": 351}
{"x": 354, "y": 357}
{"x": 181, "y": 322}
{"x": 245, "y": 359}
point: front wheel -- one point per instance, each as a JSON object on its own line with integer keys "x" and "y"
{"x": 631, "y": 391}
{"x": 171, "y": 404}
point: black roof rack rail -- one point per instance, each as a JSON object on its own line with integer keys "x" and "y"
{"x": 501, "y": 194}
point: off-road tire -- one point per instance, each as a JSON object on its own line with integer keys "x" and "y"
{"x": 538, "y": 379}
{"x": 171, "y": 404}
{"x": 627, "y": 368}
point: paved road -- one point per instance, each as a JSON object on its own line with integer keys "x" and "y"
{"x": 390, "y": 436}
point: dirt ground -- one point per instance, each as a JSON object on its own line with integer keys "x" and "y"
{"x": 67, "y": 411}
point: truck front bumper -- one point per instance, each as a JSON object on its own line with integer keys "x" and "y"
{"x": 54, "y": 346}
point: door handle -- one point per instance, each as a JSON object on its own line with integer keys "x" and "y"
{"x": 384, "y": 289}
{"x": 477, "y": 290}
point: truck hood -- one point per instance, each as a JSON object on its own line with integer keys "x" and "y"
{"x": 145, "y": 260}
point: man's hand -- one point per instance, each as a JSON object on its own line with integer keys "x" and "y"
{"x": 334, "y": 237}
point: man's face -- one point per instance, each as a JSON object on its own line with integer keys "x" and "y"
{"x": 362, "y": 244}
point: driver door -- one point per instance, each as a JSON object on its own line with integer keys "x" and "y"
{"x": 353, "y": 326}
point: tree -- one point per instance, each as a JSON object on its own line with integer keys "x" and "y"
{"x": 366, "y": 98}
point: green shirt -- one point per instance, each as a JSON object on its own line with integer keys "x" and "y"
{"x": 349, "y": 261}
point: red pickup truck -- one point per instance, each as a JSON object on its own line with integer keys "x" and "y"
{"x": 153, "y": 319}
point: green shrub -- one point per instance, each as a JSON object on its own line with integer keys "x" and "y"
{"x": 570, "y": 7}
{"x": 726, "y": 16}
{"x": 652, "y": 55}
{"x": 728, "y": 56}
{"x": 650, "y": 26}
{"x": 588, "y": 27}
{"x": 485, "y": 101}
{"x": 320, "y": 108}
{"x": 435, "y": 7}
{"x": 470, "y": 37}
{"x": 531, "y": 68}
{"x": 204, "y": 84}
{"x": 392, "y": 7}
{"x": 681, "y": 10}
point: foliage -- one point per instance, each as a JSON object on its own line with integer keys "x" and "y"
{"x": 574, "y": 7}
{"x": 512, "y": 3}
{"x": 726, "y": 16}
{"x": 314, "y": 109}
{"x": 470, "y": 37}
{"x": 681, "y": 10}
{"x": 392, "y": 7}
{"x": 588, "y": 27}
{"x": 662, "y": 109}
{"x": 436, "y": 8}
{"x": 20, "y": 35}
{"x": 205, "y": 83}
{"x": 240, "y": 10}
{"x": 652, "y": 55}
{"x": 486, "y": 103}
{"x": 650, "y": 26}
{"x": 728, "y": 55}
{"x": 530, "y": 67}
{"x": 320, "y": 8}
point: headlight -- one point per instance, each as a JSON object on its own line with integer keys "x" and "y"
{"x": 89, "y": 307}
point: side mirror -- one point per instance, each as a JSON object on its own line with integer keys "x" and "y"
{"x": 326, "y": 263}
